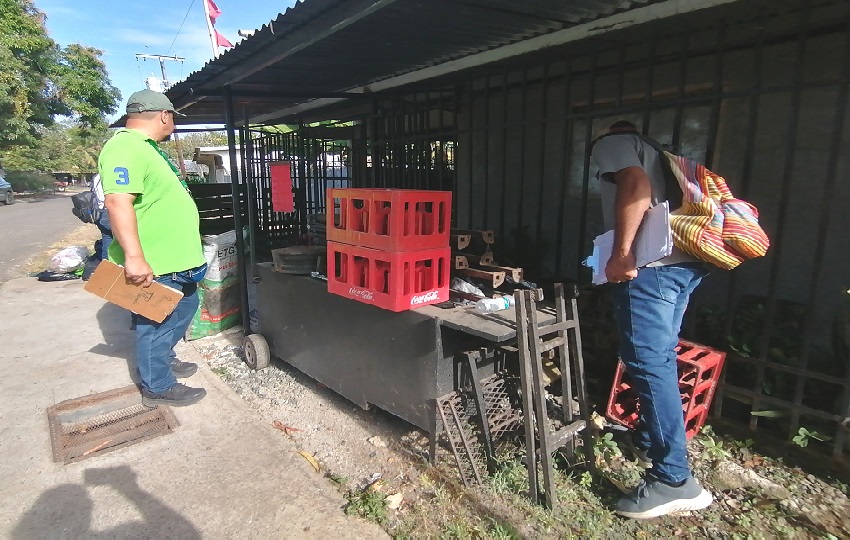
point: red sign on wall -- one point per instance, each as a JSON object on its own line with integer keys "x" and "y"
{"x": 282, "y": 197}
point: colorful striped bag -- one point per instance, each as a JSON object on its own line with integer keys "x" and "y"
{"x": 711, "y": 224}
{"x": 707, "y": 221}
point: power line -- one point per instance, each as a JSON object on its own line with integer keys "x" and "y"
{"x": 181, "y": 26}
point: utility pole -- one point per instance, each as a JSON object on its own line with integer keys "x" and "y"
{"x": 165, "y": 86}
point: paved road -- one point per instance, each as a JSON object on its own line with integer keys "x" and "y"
{"x": 29, "y": 226}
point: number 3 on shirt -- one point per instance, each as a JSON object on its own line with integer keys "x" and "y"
{"x": 123, "y": 176}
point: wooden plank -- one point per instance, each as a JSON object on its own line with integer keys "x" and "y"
{"x": 488, "y": 236}
{"x": 514, "y": 272}
{"x": 478, "y": 260}
{"x": 497, "y": 326}
{"x": 495, "y": 279}
{"x": 460, "y": 241}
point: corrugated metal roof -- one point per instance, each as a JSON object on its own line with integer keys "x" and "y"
{"x": 319, "y": 48}
{"x": 329, "y": 49}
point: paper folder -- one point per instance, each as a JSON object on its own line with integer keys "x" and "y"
{"x": 653, "y": 242}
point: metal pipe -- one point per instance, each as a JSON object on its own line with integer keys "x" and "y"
{"x": 246, "y": 149}
{"x": 237, "y": 210}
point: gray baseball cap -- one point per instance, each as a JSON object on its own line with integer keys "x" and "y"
{"x": 149, "y": 100}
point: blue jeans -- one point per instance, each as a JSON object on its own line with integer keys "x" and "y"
{"x": 155, "y": 341}
{"x": 649, "y": 316}
{"x": 105, "y": 234}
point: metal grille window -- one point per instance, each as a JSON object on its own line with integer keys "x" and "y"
{"x": 759, "y": 96}
{"x": 761, "y": 101}
{"x": 320, "y": 158}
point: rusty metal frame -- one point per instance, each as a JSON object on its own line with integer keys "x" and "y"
{"x": 99, "y": 423}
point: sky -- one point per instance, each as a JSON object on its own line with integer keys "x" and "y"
{"x": 122, "y": 29}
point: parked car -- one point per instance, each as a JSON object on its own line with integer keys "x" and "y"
{"x": 6, "y": 193}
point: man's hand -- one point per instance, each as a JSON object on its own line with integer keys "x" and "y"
{"x": 138, "y": 271}
{"x": 621, "y": 268}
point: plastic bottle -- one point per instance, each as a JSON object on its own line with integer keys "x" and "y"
{"x": 488, "y": 305}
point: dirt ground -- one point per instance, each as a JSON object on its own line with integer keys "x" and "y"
{"x": 380, "y": 463}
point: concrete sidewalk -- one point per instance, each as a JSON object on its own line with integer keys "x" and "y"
{"x": 223, "y": 473}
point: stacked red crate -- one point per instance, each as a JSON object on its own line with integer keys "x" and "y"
{"x": 389, "y": 247}
{"x": 699, "y": 373}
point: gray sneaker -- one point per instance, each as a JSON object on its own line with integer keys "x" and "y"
{"x": 176, "y": 396}
{"x": 653, "y": 498}
{"x": 183, "y": 370}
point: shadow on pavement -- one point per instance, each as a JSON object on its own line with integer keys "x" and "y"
{"x": 65, "y": 511}
{"x": 118, "y": 337}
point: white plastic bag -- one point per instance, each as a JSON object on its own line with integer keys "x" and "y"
{"x": 465, "y": 286}
{"x": 69, "y": 260}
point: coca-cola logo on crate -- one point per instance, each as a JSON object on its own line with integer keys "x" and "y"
{"x": 363, "y": 294}
{"x": 422, "y": 298}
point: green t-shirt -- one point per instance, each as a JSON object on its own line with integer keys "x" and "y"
{"x": 167, "y": 216}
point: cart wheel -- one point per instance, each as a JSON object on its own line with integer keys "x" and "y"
{"x": 257, "y": 354}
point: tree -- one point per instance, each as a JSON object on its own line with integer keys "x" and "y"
{"x": 190, "y": 141}
{"x": 65, "y": 146}
{"x": 40, "y": 80}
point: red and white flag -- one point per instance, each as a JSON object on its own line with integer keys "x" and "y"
{"x": 213, "y": 11}
{"x": 222, "y": 41}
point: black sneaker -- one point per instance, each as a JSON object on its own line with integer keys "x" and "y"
{"x": 653, "y": 498}
{"x": 182, "y": 370}
{"x": 176, "y": 396}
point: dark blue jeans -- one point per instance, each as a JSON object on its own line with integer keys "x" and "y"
{"x": 155, "y": 341}
{"x": 649, "y": 316}
{"x": 105, "y": 234}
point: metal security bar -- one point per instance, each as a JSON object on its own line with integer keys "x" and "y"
{"x": 320, "y": 158}
{"x": 757, "y": 94}
{"x": 412, "y": 142}
{"x": 760, "y": 99}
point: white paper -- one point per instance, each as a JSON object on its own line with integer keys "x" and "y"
{"x": 653, "y": 241}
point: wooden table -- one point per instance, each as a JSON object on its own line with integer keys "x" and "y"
{"x": 497, "y": 326}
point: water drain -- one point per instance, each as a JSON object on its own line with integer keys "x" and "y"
{"x": 91, "y": 425}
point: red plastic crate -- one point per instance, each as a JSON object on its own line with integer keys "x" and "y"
{"x": 699, "y": 372}
{"x": 389, "y": 219}
{"x": 387, "y": 279}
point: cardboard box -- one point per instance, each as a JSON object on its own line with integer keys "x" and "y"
{"x": 155, "y": 302}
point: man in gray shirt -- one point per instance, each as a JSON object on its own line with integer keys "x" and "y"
{"x": 650, "y": 303}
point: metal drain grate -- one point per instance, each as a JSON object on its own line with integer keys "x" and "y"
{"x": 92, "y": 425}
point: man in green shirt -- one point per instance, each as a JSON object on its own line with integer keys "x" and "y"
{"x": 155, "y": 225}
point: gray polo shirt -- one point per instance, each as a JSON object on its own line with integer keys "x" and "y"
{"x": 616, "y": 152}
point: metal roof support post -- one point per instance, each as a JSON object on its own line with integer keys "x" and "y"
{"x": 237, "y": 208}
{"x": 247, "y": 149}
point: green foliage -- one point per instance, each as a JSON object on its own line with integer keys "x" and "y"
{"x": 40, "y": 80}
{"x": 368, "y": 504}
{"x": 337, "y": 479}
{"x": 221, "y": 372}
{"x": 85, "y": 91}
{"x": 606, "y": 447}
{"x": 62, "y": 147}
{"x": 29, "y": 181}
{"x": 190, "y": 141}
{"x": 804, "y": 435}
{"x": 712, "y": 446}
{"x": 510, "y": 477}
